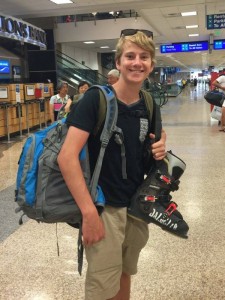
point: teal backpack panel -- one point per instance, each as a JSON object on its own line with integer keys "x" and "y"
{"x": 26, "y": 181}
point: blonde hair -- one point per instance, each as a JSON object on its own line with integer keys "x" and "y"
{"x": 141, "y": 40}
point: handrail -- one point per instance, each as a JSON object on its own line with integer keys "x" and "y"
{"x": 75, "y": 62}
{"x": 76, "y": 75}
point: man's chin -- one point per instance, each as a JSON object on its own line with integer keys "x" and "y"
{"x": 137, "y": 80}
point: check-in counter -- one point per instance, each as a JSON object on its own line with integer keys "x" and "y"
{"x": 23, "y": 107}
{"x": 18, "y": 117}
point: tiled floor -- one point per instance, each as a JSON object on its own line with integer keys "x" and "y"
{"x": 170, "y": 268}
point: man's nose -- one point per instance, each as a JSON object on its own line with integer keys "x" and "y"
{"x": 137, "y": 60}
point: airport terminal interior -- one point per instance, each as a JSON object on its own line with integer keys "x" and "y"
{"x": 41, "y": 47}
{"x": 170, "y": 267}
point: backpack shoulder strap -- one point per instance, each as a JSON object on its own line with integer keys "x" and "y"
{"x": 108, "y": 111}
{"x": 154, "y": 113}
{"x": 101, "y": 112}
{"x": 149, "y": 103}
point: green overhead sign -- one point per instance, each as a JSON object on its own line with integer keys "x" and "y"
{"x": 215, "y": 21}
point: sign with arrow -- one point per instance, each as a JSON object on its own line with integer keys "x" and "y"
{"x": 216, "y": 21}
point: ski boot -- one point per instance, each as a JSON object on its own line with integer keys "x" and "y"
{"x": 152, "y": 201}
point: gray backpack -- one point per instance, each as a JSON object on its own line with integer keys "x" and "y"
{"x": 52, "y": 201}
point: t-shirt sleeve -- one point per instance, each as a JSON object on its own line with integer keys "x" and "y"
{"x": 68, "y": 97}
{"x": 52, "y": 99}
{"x": 84, "y": 113}
{"x": 221, "y": 79}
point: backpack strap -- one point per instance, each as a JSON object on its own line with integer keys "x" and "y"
{"x": 152, "y": 107}
{"x": 149, "y": 103}
{"x": 101, "y": 112}
{"x": 109, "y": 128}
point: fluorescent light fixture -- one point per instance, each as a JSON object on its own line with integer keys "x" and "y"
{"x": 74, "y": 80}
{"x": 104, "y": 47}
{"x": 62, "y": 1}
{"x": 89, "y": 42}
{"x": 194, "y": 34}
{"x": 192, "y": 26}
{"x": 190, "y": 13}
{"x": 78, "y": 76}
{"x": 114, "y": 50}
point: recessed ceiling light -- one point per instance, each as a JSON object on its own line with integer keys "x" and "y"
{"x": 192, "y": 26}
{"x": 104, "y": 47}
{"x": 190, "y": 13}
{"x": 194, "y": 34}
{"x": 89, "y": 42}
{"x": 62, "y": 1}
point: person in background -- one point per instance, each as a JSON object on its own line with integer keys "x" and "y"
{"x": 113, "y": 76}
{"x": 184, "y": 82}
{"x": 83, "y": 86}
{"x": 220, "y": 83}
{"x": 59, "y": 100}
{"x": 195, "y": 82}
{"x": 113, "y": 240}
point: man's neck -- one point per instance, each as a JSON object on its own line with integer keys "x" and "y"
{"x": 127, "y": 94}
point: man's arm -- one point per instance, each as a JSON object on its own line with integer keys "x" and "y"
{"x": 69, "y": 164}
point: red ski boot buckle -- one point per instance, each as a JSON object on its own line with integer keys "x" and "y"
{"x": 171, "y": 208}
{"x": 150, "y": 198}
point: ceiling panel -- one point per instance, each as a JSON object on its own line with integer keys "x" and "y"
{"x": 161, "y": 15}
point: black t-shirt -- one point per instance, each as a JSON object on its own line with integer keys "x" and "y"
{"x": 84, "y": 115}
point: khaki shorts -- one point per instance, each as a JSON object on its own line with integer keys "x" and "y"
{"x": 117, "y": 253}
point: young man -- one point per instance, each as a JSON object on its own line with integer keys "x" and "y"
{"x": 220, "y": 83}
{"x": 113, "y": 241}
{"x": 113, "y": 76}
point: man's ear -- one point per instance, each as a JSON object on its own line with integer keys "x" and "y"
{"x": 118, "y": 64}
{"x": 152, "y": 67}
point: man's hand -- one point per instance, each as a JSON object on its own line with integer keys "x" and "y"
{"x": 92, "y": 228}
{"x": 159, "y": 148}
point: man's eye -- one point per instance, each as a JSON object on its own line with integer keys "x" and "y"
{"x": 145, "y": 57}
{"x": 129, "y": 56}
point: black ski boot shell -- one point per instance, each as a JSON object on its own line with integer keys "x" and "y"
{"x": 152, "y": 201}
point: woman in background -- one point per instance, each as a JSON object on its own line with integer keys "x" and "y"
{"x": 83, "y": 86}
{"x": 59, "y": 100}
